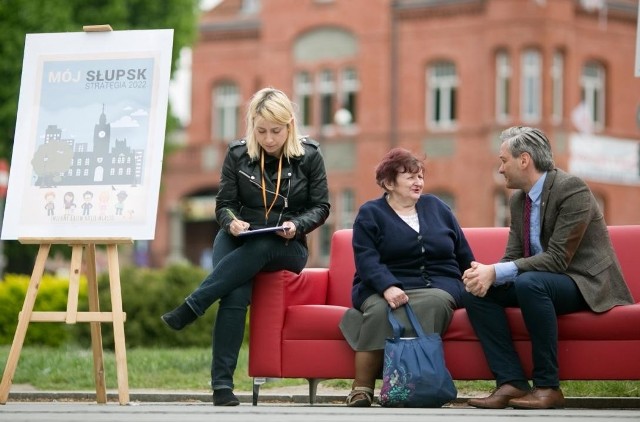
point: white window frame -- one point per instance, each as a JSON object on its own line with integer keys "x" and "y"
{"x": 446, "y": 197}
{"x": 225, "y": 107}
{"x": 250, "y": 7}
{"x": 347, "y": 208}
{"x": 531, "y": 86}
{"x": 326, "y": 89}
{"x": 304, "y": 95}
{"x": 503, "y": 86}
{"x": 557, "y": 87}
{"x": 349, "y": 86}
{"x": 501, "y": 217}
{"x": 592, "y": 81}
{"x": 442, "y": 87}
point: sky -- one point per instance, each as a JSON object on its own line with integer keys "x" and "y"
{"x": 180, "y": 88}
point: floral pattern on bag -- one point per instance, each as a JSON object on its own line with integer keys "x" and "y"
{"x": 397, "y": 387}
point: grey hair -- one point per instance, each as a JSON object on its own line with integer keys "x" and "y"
{"x": 533, "y": 141}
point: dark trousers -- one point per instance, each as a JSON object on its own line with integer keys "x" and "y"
{"x": 541, "y": 296}
{"x": 235, "y": 263}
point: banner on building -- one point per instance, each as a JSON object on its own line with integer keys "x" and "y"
{"x": 637, "y": 73}
{"x": 87, "y": 154}
{"x": 605, "y": 159}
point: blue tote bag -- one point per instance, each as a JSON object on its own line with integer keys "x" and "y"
{"x": 414, "y": 373}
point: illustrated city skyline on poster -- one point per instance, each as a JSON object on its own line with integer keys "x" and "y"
{"x": 88, "y": 153}
{"x": 112, "y": 121}
{"x": 90, "y": 149}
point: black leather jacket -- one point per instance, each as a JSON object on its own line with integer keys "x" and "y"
{"x": 303, "y": 197}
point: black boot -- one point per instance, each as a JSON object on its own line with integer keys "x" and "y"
{"x": 225, "y": 397}
{"x": 180, "y": 317}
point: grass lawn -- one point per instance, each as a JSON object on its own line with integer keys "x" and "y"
{"x": 71, "y": 369}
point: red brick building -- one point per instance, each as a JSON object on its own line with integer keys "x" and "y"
{"x": 439, "y": 77}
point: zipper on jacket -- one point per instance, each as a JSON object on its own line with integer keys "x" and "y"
{"x": 286, "y": 199}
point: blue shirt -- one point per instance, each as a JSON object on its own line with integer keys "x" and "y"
{"x": 507, "y": 271}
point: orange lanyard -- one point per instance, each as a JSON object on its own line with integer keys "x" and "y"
{"x": 264, "y": 188}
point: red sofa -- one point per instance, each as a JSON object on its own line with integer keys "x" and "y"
{"x": 294, "y": 322}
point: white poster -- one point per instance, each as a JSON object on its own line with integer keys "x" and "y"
{"x": 87, "y": 155}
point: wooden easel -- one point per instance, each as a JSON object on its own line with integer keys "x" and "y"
{"x": 72, "y": 315}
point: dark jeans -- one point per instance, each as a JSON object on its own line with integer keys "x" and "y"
{"x": 235, "y": 263}
{"x": 541, "y": 296}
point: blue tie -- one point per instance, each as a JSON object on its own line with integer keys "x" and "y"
{"x": 527, "y": 226}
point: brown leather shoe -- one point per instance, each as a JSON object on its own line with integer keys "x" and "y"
{"x": 500, "y": 397}
{"x": 540, "y": 398}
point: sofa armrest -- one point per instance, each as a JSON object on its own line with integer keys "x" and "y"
{"x": 273, "y": 293}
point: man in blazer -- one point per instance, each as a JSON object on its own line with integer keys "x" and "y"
{"x": 565, "y": 263}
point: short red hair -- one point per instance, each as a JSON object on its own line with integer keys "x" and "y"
{"x": 396, "y": 161}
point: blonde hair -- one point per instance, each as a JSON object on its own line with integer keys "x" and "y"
{"x": 274, "y": 106}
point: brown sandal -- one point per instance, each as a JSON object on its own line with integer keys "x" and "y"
{"x": 360, "y": 397}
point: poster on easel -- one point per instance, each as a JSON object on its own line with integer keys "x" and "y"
{"x": 88, "y": 147}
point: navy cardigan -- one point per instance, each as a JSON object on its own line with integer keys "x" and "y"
{"x": 390, "y": 253}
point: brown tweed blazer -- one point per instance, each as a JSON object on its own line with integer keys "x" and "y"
{"x": 574, "y": 239}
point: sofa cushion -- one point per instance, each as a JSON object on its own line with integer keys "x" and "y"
{"x": 487, "y": 243}
{"x": 313, "y": 322}
{"x": 619, "y": 323}
{"x": 342, "y": 268}
{"x": 460, "y": 327}
{"x": 625, "y": 242}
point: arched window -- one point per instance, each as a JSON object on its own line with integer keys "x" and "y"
{"x": 326, "y": 83}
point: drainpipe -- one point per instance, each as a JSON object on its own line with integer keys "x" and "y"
{"x": 393, "y": 79}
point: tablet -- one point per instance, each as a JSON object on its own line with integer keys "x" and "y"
{"x": 265, "y": 230}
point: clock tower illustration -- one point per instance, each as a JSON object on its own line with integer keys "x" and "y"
{"x": 63, "y": 161}
{"x": 102, "y": 135}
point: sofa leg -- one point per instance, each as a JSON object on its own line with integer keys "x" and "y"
{"x": 257, "y": 382}
{"x": 313, "y": 389}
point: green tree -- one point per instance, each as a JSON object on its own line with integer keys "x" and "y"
{"x": 21, "y": 17}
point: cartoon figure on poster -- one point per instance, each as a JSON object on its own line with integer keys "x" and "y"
{"x": 50, "y": 205}
{"x": 122, "y": 195}
{"x": 69, "y": 204}
{"x": 103, "y": 202}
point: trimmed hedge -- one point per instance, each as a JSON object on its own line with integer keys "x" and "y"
{"x": 146, "y": 295}
{"x": 52, "y": 296}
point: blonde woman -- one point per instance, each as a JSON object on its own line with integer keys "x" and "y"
{"x": 272, "y": 177}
